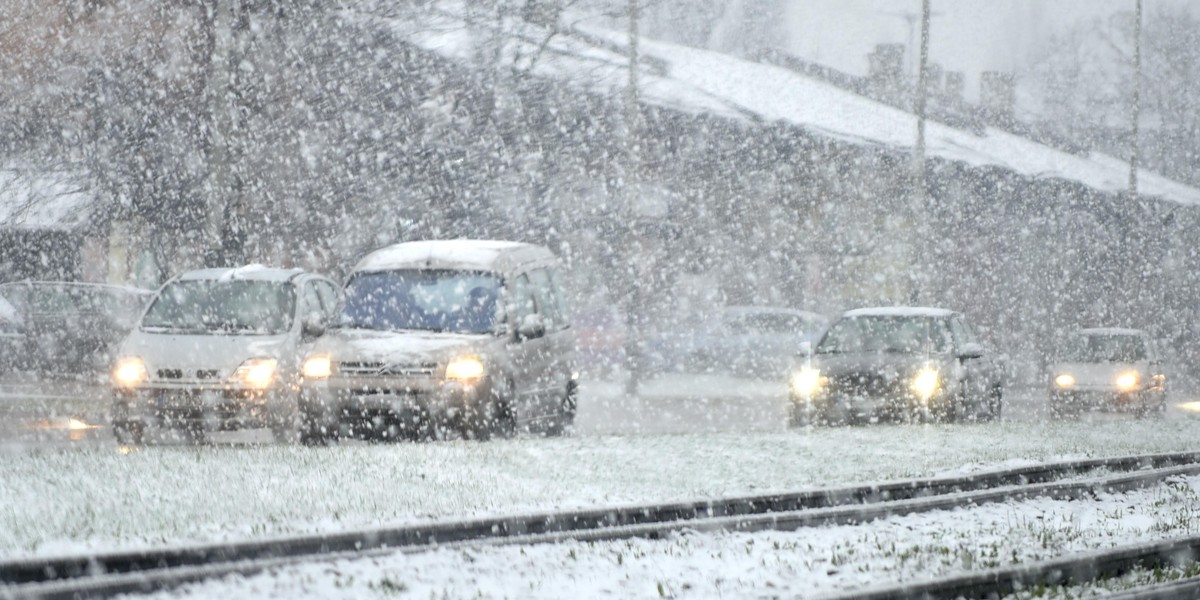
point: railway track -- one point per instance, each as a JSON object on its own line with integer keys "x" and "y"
{"x": 106, "y": 574}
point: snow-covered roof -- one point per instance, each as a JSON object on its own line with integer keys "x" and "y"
{"x": 899, "y": 311}
{"x": 481, "y": 255}
{"x": 1111, "y": 331}
{"x": 34, "y": 200}
{"x": 701, "y": 81}
{"x": 246, "y": 273}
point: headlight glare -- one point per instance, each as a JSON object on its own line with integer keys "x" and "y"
{"x": 1065, "y": 380}
{"x": 806, "y": 382}
{"x": 1127, "y": 381}
{"x": 130, "y": 372}
{"x": 257, "y": 372}
{"x": 925, "y": 384}
{"x": 464, "y": 368}
{"x": 318, "y": 367}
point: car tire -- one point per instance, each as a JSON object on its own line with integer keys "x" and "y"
{"x": 129, "y": 434}
{"x": 563, "y": 424}
{"x": 312, "y": 433}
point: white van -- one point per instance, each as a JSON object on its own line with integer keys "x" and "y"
{"x": 462, "y": 335}
{"x": 218, "y": 350}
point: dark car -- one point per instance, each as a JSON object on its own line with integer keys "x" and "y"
{"x": 897, "y": 364}
{"x": 73, "y": 328}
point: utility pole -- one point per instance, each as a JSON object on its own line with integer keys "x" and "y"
{"x": 218, "y": 203}
{"x": 920, "y": 244}
{"x": 1135, "y": 113}
{"x": 922, "y": 68}
{"x": 631, "y": 248}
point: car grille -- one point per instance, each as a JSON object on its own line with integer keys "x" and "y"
{"x": 867, "y": 384}
{"x": 380, "y": 369}
{"x": 187, "y": 374}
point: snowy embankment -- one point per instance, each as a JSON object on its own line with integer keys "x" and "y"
{"x": 56, "y": 498}
{"x": 805, "y": 563}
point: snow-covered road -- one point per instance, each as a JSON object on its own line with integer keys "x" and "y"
{"x": 62, "y": 497}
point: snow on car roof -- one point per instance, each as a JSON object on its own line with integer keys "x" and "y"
{"x": 254, "y": 272}
{"x": 899, "y": 311}
{"x": 1110, "y": 331}
{"x": 483, "y": 255}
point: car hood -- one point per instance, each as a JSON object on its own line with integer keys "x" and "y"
{"x": 183, "y": 351}
{"x": 397, "y": 347}
{"x": 888, "y": 365}
{"x": 1098, "y": 374}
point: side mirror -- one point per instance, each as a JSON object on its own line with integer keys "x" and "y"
{"x": 970, "y": 350}
{"x": 806, "y": 349}
{"x": 313, "y": 326}
{"x": 531, "y": 327}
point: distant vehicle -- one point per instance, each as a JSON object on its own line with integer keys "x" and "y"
{"x": 900, "y": 364}
{"x": 73, "y": 328}
{"x": 753, "y": 341}
{"x": 460, "y": 335}
{"x": 12, "y": 337}
{"x": 220, "y": 349}
{"x": 600, "y": 341}
{"x": 756, "y": 340}
{"x": 1108, "y": 369}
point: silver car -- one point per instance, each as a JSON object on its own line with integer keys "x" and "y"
{"x": 439, "y": 336}
{"x": 220, "y": 349}
{"x": 1108, "y": 369}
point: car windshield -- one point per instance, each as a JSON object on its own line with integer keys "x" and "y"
{"x": 227, "y": 307}
{"x": 886, "y": 334}
{"x": 428, "y": 300}
{"x": 1105, "y": 348}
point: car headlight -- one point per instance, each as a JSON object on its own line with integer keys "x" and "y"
{"x": 257, "y": 372}
{"x": 317, "y": 367}
{"x": 926, "y": 383}
{"x": 130, "y": 372}
{"x": 1065, "y": 380}
{"x": 464, "y": 368}
{"x": 806, "y": 382}
{"x": 1127, "y": 381}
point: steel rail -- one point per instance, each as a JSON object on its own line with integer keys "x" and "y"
{"x": 1073, "y": 570}
{"x": 100, "y": 575}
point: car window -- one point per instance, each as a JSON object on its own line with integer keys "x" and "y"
{"x": 521, "y": 302}
{"x": 421, "y": 299}
{"x": 312, "y": 301}
{"x": 547, "y": 300}
{"x": 231, "y": 307}
{"x": 962, "y": 334}
{"x": 886, "y": 334}
{"x": 329, "y": 296}
{"x": 1105, "y": 348}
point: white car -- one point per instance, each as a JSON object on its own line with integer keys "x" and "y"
{"x": 1108, "y": 369}
{"x": 220, "y": 349}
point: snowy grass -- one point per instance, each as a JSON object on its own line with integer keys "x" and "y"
{"x": 61, "y": 499}
{"x": 803, "y": 563}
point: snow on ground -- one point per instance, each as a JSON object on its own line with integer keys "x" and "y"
{"x": 62, "y": 497}
{"x": 804, "y": 563}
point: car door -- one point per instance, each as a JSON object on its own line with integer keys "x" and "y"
{"x": 526, "y": 349}
{"x": 979, "y": 371}
{"x": 557, "y": 353}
